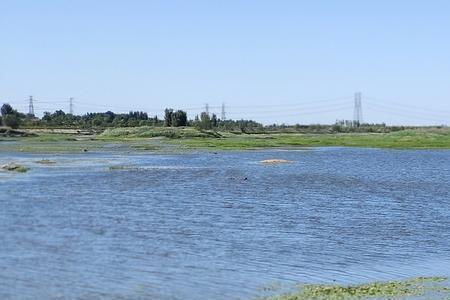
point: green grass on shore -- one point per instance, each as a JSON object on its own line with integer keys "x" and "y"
{"x": 150, "y": 132}
{"x": 408, "y": 139}
{"x": 178, "y": 139}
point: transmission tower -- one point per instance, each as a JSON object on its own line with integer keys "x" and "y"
{"x": 222, "y": 116}
{"x": 31, "y": 107}
{"x": 357, "y": 112}
{"x": 71, "y": 105}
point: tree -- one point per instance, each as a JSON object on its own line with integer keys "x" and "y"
{"x": 47, "y": 116}
{"x": 11, "y": 120}
{"x": 97, "y": 120}
{"x": 179, "y": 118}
{"x": 205, "y": 121}
{"x": 10, "y": 116}
{"x": 7, "y": 110}
{"x": 214, "y": 121}
{"x": 168, "y": 117}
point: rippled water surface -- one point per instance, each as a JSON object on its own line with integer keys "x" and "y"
{"x": 220, "y": 226}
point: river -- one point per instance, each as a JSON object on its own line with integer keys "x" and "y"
{"x": 222, "y": 226}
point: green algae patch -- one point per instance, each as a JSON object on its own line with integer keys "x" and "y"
{"x": 417, "y": 288}
{"x": 22, "y": 169}
{"x": 12, "y": 167}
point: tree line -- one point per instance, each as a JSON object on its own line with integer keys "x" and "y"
{"x": 172, "y": 118}
{"x": 176, "y": 118}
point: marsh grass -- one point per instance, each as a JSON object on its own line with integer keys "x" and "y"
{"x": 408, "y": 139}
{"x": 150, "y": 132}
{"x": 185, "y": 138}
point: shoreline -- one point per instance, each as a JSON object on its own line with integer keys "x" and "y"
{"x": 146, "y": 139}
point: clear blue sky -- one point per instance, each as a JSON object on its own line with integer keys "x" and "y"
{"x": 288, "y": 59}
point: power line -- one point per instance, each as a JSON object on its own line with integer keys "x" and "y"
{"x": 306, "y": 107}
{"x": 52, "y": 102}
{"x": 297, "y": 109}
{"x": 346, "y": 108}
{"x": 409, "y": 115}
{"x": 298, "y": 103}
{"x": 396, "y": 106}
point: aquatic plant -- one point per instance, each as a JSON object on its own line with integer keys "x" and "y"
{"x": 14, "y": 168}
{"x": 421, "y": 286}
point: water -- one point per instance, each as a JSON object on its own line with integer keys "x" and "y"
{"x": 220, "y": 226}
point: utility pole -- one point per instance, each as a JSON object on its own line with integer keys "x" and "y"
{"x": 31, "y": 107}
{"x": 222, "y": 116}
{"x": 357, "y": 112}
{"x": 71, "y": 105}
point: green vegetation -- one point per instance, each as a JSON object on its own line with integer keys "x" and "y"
{"x": 101, "y": 120}
{"x": 54, "y": 143}
{"x": 22, "y": 169}
{"x": 150, "y": 132}
{"x": 14, "y": 168}
{"x": 10, "y": 117}
{"x": 149, "y": 138}
{"x": 175, "y": 119}
{"x": 417, "y": 287}
{"x": 435, "y": 138}
{"x": 94, "y": 120}
{"x": 137, "y": 131}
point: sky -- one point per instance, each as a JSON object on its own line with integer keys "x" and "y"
{"x": 272, "y": 61}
